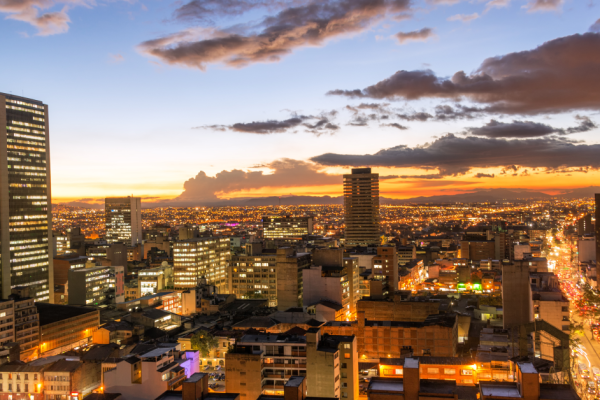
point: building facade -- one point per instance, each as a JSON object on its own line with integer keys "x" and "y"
{"x": 361, "y": 207}
{"x": 88, "y": 286}
{"x": 205, "y": 257}
{"x": 283, "y": 227}
{"x": 123, "y": 218}
{"x": 25, "y": 212}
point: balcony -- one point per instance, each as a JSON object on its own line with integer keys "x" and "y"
{"x": 298, "y": 354}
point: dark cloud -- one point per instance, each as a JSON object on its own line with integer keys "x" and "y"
{"x": 276, "y": 36}
{"x": 322, "y": 125}
{"x": 286, "y": 173}
{"x": 420, "y": 35}
{"x": 442, "y": 113}
{"x": 560, "y": 75}
{"x": 384, "y": 177}
{"x": 206, "y": 10}
{"x": 481, "y": 175}
{"x": 267, "y": 127}
{"x": 396, "y": 125}
{"x": 528, "y": 129}
{"x": 453, "y": 155}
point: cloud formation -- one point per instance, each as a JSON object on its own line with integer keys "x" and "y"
{"x": 595, "y": 28}
{"x": 544, "y": 5}
{"x": 560, "y": 75}
{"x": 420, "y": 35}
{"x": 286, "y": 173}
{"x": 32, "y": 12}
{"x": 528, "y": 129}
{"x": 275, "y": 36}
{"x": 464, "y": 17}
{"x": 453, "y": 155}
{"x": 322, "y": 124}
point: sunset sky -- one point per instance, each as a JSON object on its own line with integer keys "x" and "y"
{"x": 183, "y": 101}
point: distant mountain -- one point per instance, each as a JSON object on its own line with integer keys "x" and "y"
{"x": 477, "y": 196}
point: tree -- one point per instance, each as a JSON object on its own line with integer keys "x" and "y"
{"x": 204, "y": 342}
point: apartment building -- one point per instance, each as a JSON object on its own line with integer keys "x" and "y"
{"x": 290, "y": 264}
{"x": 149, "y": 373}
{"x": 436, "y": 336}
{"x": 385, "y": 265}
{"x": 22, "y": 381}
{"x": 206, "y": 257}
{"x": 261, "y": 363}
{"x": 331, "y": 365}
{"x": 68, "y": 379}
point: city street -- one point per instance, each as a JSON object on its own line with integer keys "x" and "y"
{"x": 588, "y": 353}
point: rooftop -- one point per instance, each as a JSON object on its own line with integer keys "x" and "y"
{"x": 51, "y": 313}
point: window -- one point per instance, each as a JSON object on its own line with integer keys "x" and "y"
{"x": 433, "y": 370}
{"x": 344, "y": 375}
{"x": 468, "y": 381}
{"x": 10, "y": 387}
{"x": 18, "y": 388}
{"x": 449, "y": 371}
{"x": 35, "y": 377}
{"x": 26, "y": 388}
{"x": 26, "y": 378}
{"x": 344, "y": 395}
{"x": 466, "y": 372}
{"x": 346, "y": 345}
{"x": 344, "y": 385}
{"x": 347, "y": 355}
{"x": 344, "y": 365}
{"x": 165, "y": 377}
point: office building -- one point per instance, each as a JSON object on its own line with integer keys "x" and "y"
{"x": 584, "y": 225}
{"x": 517, "y": 300}
{"x": 123, "y": 218}
{"x": 72, "y": 241}
{"x": 597, "y": 226}
{"x": 70, "y": 379}
{"x": 88, "y": 286}
{"x": 20, "y": 323}
{"x": 25, "y": 212}
{"x": 64, "y": 263}
{"x": 276, "y": 227}
{"x": 361, "y": 207}
{"x": 63, "y": 328}
{"x": 206, "y": 257}
{"x": 254, "y": 274}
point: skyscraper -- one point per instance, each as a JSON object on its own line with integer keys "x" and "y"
{"x": 123, "y": 217}
{"x": 598, "y": 227}
{"x": 25, "y": 208}
{"x": 361, "y": 203}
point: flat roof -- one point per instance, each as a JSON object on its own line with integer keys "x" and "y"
{"x": 51, "y": 313}
{"x": 499, "y": 389}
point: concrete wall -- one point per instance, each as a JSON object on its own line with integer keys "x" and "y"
{"x": 244, "y": 375}
{"x": 317, "y": 287}
{"x": 587, "y": 250}
{"x": 517, "y": 302}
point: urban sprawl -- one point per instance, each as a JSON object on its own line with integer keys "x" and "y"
{"x": 493, "y": 300}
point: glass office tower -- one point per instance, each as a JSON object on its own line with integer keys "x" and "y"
{"x": 25, "y": 198}
{"x": 123, "y": 218}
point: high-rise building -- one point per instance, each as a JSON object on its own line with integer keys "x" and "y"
{"x": 25, "y": 210}
{"x": 205, "y": 257}
{"x": 361, "y": 204}
{"x": 123, "y": 217}
{"x": 597, "y": 226}
{"x": 584, "y": 225}
{"x": 276, "y": 227}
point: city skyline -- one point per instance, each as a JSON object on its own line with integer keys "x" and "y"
{"x": 150, "y": 109}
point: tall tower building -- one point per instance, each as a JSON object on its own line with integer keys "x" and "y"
{"x": 597, "y": 227}
{"x": 361, "y": 203}
{"x": 123, "y": 217}
{"x": 25, "y": 198}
